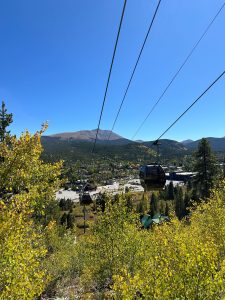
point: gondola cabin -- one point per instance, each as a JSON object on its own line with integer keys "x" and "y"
{"x": 85, "y": 199}
{"x": 152, "y": 177}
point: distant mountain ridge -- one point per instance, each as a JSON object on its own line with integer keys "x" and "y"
{"x": 168, "y": 148}
{"x": 217, "y": 144}
{"x": 80, "y": 143}
{"x": 185, "y": 142}
{"x": 88, "y": 135}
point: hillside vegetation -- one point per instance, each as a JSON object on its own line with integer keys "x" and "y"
{"x": 43, "y": 254}
{"x": 73, "y": 150}
{"x": 117, "y": 259}
{"x": 76, "y": 146}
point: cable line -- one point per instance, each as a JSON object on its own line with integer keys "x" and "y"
{"x": 208, "y": 88}
{"x": 178, "y": 71}
{"x": 110, "y": 71}
{"x": 135, "y": 67}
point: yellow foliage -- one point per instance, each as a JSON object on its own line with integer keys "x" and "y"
{"x": 183, "y": 261}
{"x": 21, "y": 253}
{"x": 22, "y": 170}
{"x": 27, "y": 187}
{"x": 176, "y": 260}
{"x": 63, "y": 251}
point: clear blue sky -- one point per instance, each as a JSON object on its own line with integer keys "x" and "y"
{"x": 55, "y": 57}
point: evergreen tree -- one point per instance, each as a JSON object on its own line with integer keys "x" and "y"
{"x": 154, "y": 209}
{"x": 205, "y": 166}
{"x": 69, "y": 205}
{"x": 5, "y": 121}
{"x": 179, "y": 203}
{"x": 62, "y": 204}
{"x": 141, "y": 206}
{"x": 165, "y": 192}
{"x": 101, "y": 201}
{"x": 170, "y": 191}
{"x": 116, "y": 198}
{"x": 195, "y": 194}
{"x": 70, "y": 220}
{"x": 167, "y": 209}
{"x": 187, "y": 202}
{"x": 189, "y": 185}
{"x": 63, "y": 219}
{"x": 161, "y": 206}
{"x": 127, "y": 189}
{"x": 162, "y": 194}
{"x": 129, "y": 202}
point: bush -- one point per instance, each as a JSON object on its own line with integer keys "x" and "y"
{"x": 176, "y": 260}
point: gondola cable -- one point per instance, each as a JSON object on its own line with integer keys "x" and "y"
{"x": 134, "y": 69}
{"x": 152, "y": 176}
{"x": 178, "y": 71}
{"x": 109, "y": 75}
{"x": 190, "y": 106}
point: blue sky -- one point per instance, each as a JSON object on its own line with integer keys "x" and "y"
{"x": 55, "y": 57}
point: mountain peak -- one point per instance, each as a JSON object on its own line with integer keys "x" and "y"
{"x": 88, "y": 135}
{"x": 188, "y": 141}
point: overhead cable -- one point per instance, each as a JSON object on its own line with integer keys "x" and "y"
{"x": 205, "y": 91}
{"x": 134, "y": 69}
{"x": 178, "y": 71}
{"x": 109, "y": 75}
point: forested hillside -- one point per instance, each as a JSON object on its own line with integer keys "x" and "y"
{"x": 73, "y": 150}
{"x": 70, "y": 147}
{"x": 217, "y": 144}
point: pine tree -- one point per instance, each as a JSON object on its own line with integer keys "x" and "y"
{"x": 167, "y": 210}
{"x": 187, "y": 202}
{"x": 70, "y": 220}
{"x": 127, "y": 189}
{"x": 161, "y": 206}
{"x": 162, "y": 194}
{"x": 154, "y": 209}
{"x": 5, "y": 121}
{"x": 129, "y": 202}
{"x": 189, "y": 185}
{"x": 170, "y": 191}
{"x": 205, "y": 166}
{"x": 63, "y": 219}
{"x": 62, "y": 204}
{"x": 179, "y": 203}
{"x": 141, "y": 206}
{"x": 101, "y": 201}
